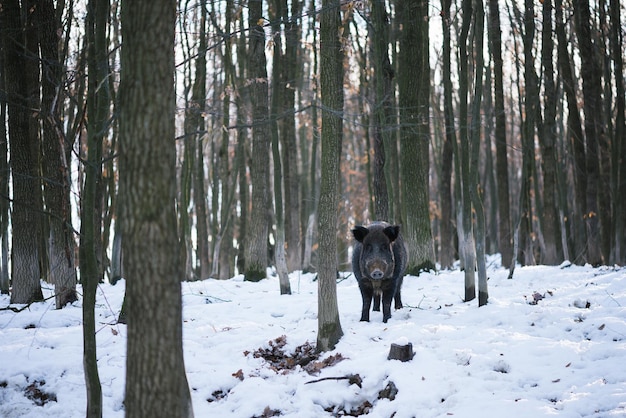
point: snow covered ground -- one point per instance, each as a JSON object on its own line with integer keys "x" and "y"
{"x": 551, "y": 342}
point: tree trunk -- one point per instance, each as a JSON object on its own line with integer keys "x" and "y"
{"x": 619, "y": 141}
{"x": 414, "y": 99}
{"x": 531, "y": 99}
{"x": 502, "y": 169}
{"x": 277, "y": 104}
{"x": 4, "y": 179}
{"x": 258, "y": 231}
{"x": 383, "y": 102}
{"x": 576, "y": 138}
{"x": 593, "y": 111}
{"x": 467, "y": 247}
{"x": 156, "y": 384}
{"x": 291, "y": 72}
{"x": 475, "y": 188}
{"x": 25, "y": 220}
{"x": 55, "y": 167}
{"x": 90, "y": 269}
{"x": 331, "y": 77}
{"x": 547, "y": 139}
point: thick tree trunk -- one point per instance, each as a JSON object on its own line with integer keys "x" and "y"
{"x": 383, "y": 102}
{"x": 547, "y": 139}
{"x": 156, "y": 384}
{"x": 619, "y": 141}
{"x": 414, "y": 96}
{"x": 331, "y": 78}
{"x": 55, "y": 167}
{"x": 593, "y": 109}
{"x": 258, "y": 231}
{"x": 467, "y": 247}
{"x": 291, "y": 72}
{"x": 446, "y": 252}
{"x": 25, "y": 220}
{"x": 502, "y": 168}
{"x": 475, "y": 188}
{"x": 575, "y": 137}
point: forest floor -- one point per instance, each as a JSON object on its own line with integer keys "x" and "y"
{"x": 550, "y": 342}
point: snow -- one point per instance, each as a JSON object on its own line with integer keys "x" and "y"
{"x": 550, "y": 342}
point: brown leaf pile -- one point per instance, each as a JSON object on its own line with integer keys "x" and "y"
{"x": 304, "y": 356}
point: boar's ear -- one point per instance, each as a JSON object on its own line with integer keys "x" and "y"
{"x": 392, "y": 232}
{"x": 359, "y": 233}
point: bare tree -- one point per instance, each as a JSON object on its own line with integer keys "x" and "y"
{"x": 331, "y": 77}
{"x": 547, "y": 139}
{"x": 23, "y": 140}
{"x": 258, "y": 231}
{"x": 156, "y": 384}
{"x": 590, "y": 74}
{"x": 502, "y": 168}
{"x": 414, "y": 96}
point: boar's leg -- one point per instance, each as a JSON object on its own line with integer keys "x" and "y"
{"x": 387, "y": 296}
{"x": 376, "y": 302}
{"x": 366, "y": 293}
{"x": 398, "y": 297}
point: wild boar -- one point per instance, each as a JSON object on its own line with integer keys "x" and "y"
{"x": 378, "y": 262}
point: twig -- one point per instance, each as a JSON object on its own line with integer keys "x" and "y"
{"x": 18, "y": 310}
{"x": 352, "y": 378}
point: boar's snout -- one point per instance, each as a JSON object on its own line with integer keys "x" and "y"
{"x": 377, "y": 274}
{"x": 377, "y": 269}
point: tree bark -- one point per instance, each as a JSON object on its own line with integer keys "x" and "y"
{"x": 467, "y": 246}
{"x": 475, "y": 188}
{"x": 156, "y": 384}
{"x": 383, "y": 102}
{"x": 331, "y": 78}
{"x": 593, "y": 109}
{"x": 547, "y": 139}
{"x": 619, "y": 141}
{"x": 4, "y": 177}
{"x": 575, "y": 137}
{"x": 414, "y": 96}
{"x": 502, "y": 168}
{"x": 258, "y": 231}
{"x": 90, "y": 268}
{"x": 277, "y": 104}
{"x": 55, "y": 167}
{"x": 446, "y": 251}
{"x": 25, "y": 220}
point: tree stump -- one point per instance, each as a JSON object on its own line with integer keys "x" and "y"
{"x": 401, "y": 352}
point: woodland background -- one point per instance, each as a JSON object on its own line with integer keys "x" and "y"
{"x": 480, "y": 127}
{"x": 180, "y": 140}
